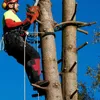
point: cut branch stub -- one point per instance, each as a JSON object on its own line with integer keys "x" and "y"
{"x": 73, "y": 66}
{"x": 83, "y": 31}
{"x": 74, "y": 12}
{"x": 64, "y": 70}
{"x": 87, "y": 24}
{"x": 59, "y": 61}
{"x": 80, "y": 47}
{"x": 73, "y": 94}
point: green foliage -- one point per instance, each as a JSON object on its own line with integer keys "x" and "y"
{"x": 97, "y": 35}
{"x": 95, "y": 75}
{"x": 84, "y": 94}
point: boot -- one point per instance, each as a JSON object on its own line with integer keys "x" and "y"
{"x": 41, "y": 83}
{"x": 44, "y": 83}
{"x": 33, "y": 71}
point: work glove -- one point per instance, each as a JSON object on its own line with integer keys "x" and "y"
{"x": 32, "y": 17}
{"x": 32, "y": 13}
{"x": 33, "y": 9}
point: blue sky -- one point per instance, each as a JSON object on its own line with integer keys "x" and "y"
{"x": 12, "y": 73}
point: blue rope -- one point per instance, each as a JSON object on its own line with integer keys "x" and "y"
{"x": 2, "y": 44}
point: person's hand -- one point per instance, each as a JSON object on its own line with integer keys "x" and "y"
{"x": 32, "y": 17}
{"x": 33, "y": 9}
{"x": 32, "y": 13}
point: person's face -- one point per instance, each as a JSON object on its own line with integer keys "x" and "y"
{"x": 16, "y": 6}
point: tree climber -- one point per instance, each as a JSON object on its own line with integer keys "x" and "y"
{"x": 14, "y": 36}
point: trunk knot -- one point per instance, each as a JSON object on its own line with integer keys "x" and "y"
{"x": 56, "y": 85}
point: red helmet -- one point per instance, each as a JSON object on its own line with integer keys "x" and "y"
{"x": 6, "y": 2}
{"x": 10, "y": 1}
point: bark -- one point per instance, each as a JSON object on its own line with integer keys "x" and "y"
{"x": 49, "y": 60}
{"x": 69, "y": 78}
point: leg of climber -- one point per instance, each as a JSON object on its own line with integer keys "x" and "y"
{"x": 33, "y": 66}
{"x": 33, "y": 72}
{"x": 14, "y": 45}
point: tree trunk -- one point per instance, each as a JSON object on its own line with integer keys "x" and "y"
{"x": 49, "y": 52}
{"x": 69, "y": 77}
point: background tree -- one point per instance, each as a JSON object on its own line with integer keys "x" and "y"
{"x": 84, "y": 93}
{"x": 87, "y": 92}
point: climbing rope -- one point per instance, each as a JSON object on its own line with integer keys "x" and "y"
{"x": 38, "y": 97}
{"x": 24, "y": 69}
